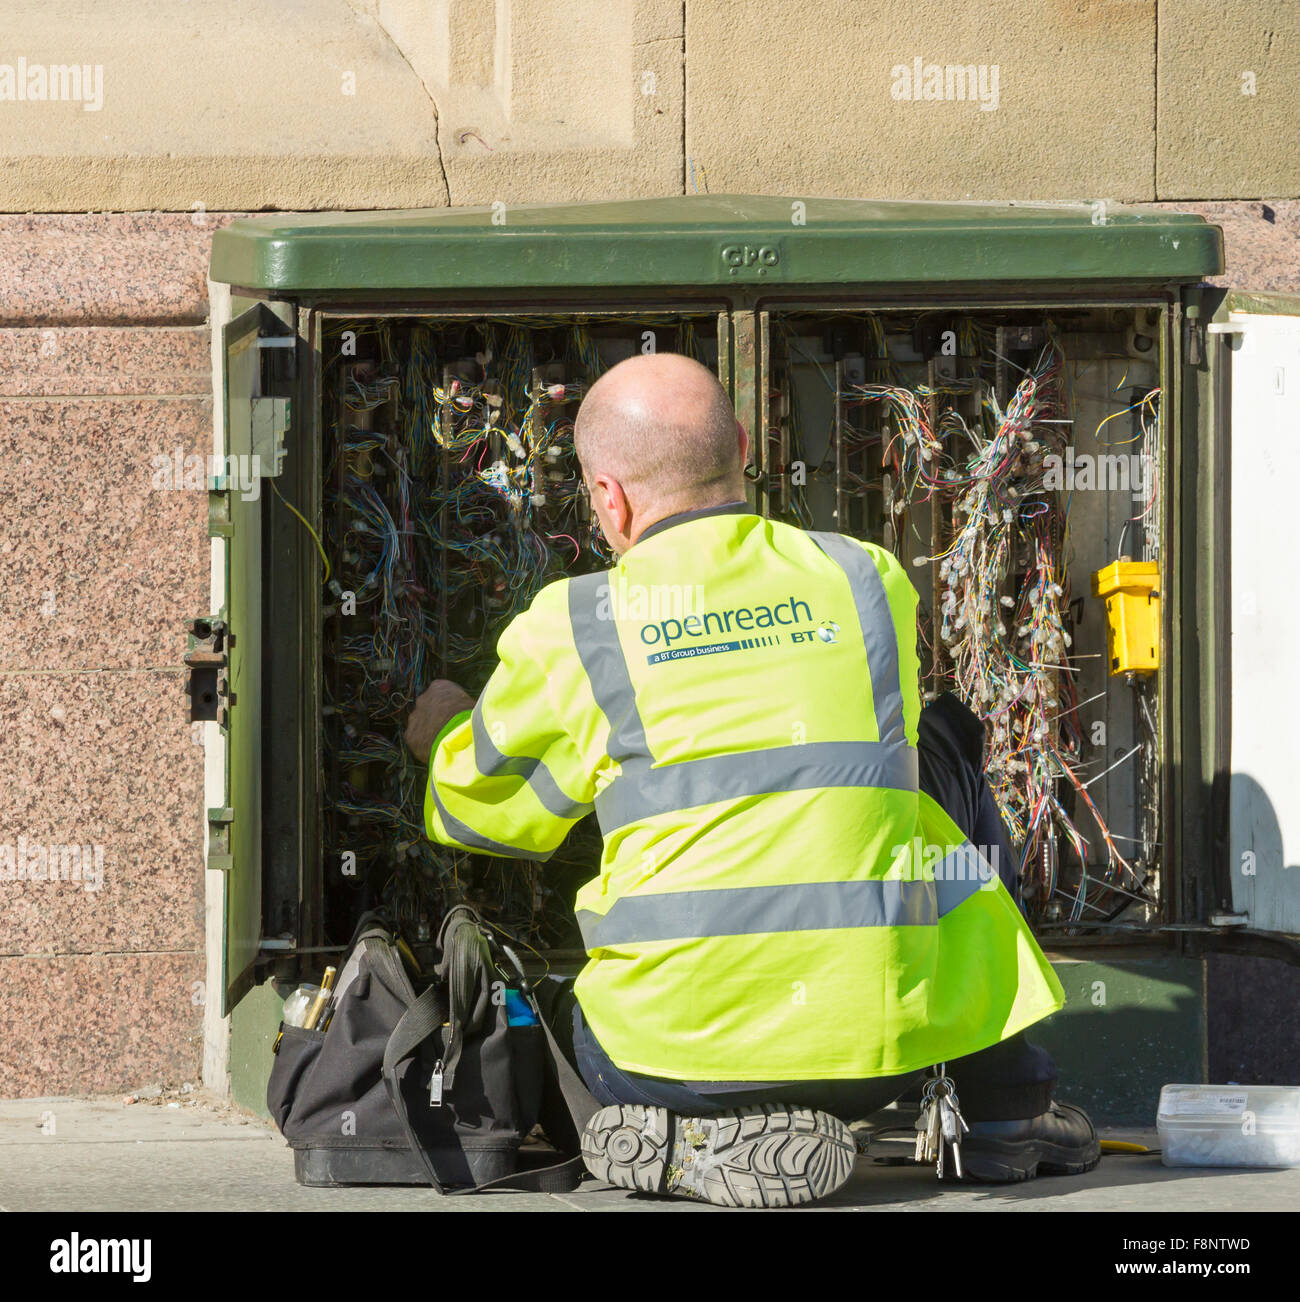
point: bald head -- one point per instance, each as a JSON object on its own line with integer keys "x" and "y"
{"x": 662, "y": 428}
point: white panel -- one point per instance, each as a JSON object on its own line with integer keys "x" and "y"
{"x": 216, "y": 1029}
{"x": 1265, "y": 754}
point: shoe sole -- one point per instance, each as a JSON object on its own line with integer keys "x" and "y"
{"x": 766, "y": 1156}
{"x": 995, "y": 1163}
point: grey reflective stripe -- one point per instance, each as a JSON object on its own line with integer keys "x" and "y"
{"x": 493, "y": 763}
{"x": 745, "y": 910}
{"x": 466, "y": 835}
{"x": 878, "y": 632}
{"x": 799, "y": 906}
{"x": 602, "y": 657}
{"x": 642, "y": 791}
{"x": 961, "y": 873}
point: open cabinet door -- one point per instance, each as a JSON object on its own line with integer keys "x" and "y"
{"x": 1253, "y": 351}
{"x": 258, "y": 350}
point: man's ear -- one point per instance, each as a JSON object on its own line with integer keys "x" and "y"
{"x": 613, "y": 501}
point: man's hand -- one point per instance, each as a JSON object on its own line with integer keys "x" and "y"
{"x": 440, "y": 701}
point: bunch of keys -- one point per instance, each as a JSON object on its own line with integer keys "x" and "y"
{"x": 939, "y": 1124}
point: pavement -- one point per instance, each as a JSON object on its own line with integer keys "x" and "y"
{"x": 193, "y": 1152}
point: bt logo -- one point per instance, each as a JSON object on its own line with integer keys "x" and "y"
{"x": 826, "y": 631}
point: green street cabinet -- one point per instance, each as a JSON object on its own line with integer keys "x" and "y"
{"x": 395, "y": 395}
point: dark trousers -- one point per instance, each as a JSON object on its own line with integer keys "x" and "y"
{"x": 1007, "y": 1082}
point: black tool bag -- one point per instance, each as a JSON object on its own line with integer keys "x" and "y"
{"x": 433, "y": 1087}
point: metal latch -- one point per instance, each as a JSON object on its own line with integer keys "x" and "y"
{"x": 271, "y": 411}
{"x": 219, "y": 821}
{"x": 270, "y": 424}
{"x": 208, "y": 682}
{"x": 1193, "y": 336}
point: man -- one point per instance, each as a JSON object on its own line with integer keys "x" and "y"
{"x": 787, "y": 929}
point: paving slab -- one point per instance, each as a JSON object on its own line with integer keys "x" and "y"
{"x": 199, "y": 1154}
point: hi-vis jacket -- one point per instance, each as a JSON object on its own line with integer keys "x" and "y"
{"x": 738, "y": 701}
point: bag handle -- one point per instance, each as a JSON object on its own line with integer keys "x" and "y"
{"x": 466, "y": 967}
{"x": 372, "y": 922}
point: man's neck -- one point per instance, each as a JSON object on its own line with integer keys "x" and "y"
{"x": 677, "y": 515}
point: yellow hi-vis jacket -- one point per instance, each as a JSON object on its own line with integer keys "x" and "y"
{"x": 738, "y": 701}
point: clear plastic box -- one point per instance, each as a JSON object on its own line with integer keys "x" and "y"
{"x": 1229, "y": 1125}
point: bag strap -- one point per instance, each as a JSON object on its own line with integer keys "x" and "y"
{"x": 562, "y": 1177}
{"x": 426, "y": 1017}
{"x": 421, "y": 1020}
{"x": 578, "y": 1098}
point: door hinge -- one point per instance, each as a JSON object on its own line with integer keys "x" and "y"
{"x": 208, "y": 682}
{"x": 1229, "y": 919}
{"x": 1193, "y": 338}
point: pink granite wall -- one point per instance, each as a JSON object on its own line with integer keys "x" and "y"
{"x": 1261, "y": 241}
{"x": 104, "y": 365}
